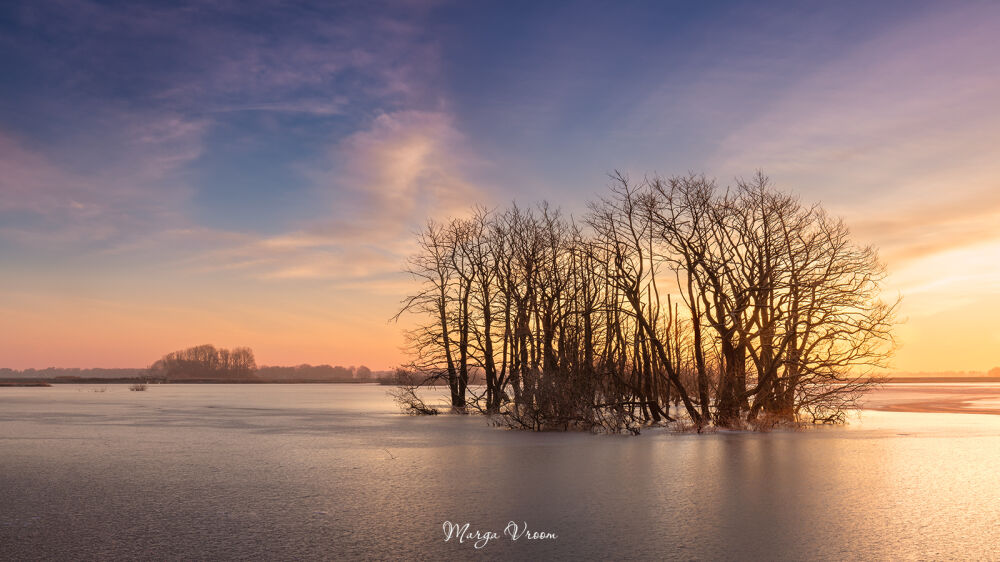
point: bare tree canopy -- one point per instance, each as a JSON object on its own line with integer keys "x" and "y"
{"x": 206, "y": 362}
{"x": 672, "y": 299}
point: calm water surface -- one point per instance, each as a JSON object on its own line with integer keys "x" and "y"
{"x": 333, "y": 471}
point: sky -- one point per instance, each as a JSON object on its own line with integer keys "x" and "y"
{"x": 252, "y": 172}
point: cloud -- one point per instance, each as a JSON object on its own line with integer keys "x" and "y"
{"x": 405, "y": 164}
{"x": 380, "y": 185}
{"x": 320, "y": 107}
{"x": 967, "y": 276}
{"x": 205, "y": 56}
{"x": 899, "y": 135}
{"x": 48, "y": 200}
{"x": 144, "y": 93}
{"x": 911, "y": 230}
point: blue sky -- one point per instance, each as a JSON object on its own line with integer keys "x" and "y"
{"x": 236, "y": 166}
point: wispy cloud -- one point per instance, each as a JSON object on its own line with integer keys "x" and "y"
{"x": 144, "y": 88}
{"x": 380, "y": 185}
{"x": 230, "y": 152}
{"x": 899, "y": 134}
{"x": 405, "y": 165}
{"x": 133, "y": 190}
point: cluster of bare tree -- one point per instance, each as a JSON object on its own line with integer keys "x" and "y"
{"x": 739, "y": 306}
{"x": 206, "y": 362}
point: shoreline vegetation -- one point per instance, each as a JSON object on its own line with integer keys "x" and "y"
{"x": 80, "y": 380}
{"x": 45, "y": 382}
{"x": 671, "y": 301}
{"x": 203, "y": 364}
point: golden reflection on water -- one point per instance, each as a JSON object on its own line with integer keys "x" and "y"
{"x": 302, "y": 471}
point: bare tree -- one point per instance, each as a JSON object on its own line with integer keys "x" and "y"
{"x": 431, "y": 343}
{"x": 206, "y": 362}
{"x": 735, "y": 304}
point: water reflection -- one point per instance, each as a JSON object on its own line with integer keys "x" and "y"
{"x": 314, "y": 471}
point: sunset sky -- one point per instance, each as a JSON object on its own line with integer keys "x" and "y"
{"x": 251, "y": 173}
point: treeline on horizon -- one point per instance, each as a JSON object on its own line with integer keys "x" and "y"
{"x": 738, "y": 307}
{"x": 206, "y": 362}
{"x": 338, "y": 373}
{"x": 73, "y": 372}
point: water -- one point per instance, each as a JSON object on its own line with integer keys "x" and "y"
{"x": 332, "y": 471}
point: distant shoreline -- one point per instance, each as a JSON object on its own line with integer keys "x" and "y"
{"x": 132, "y": 380}
{"x": 940, "y": 379}
{"x": 937, "y": 398}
